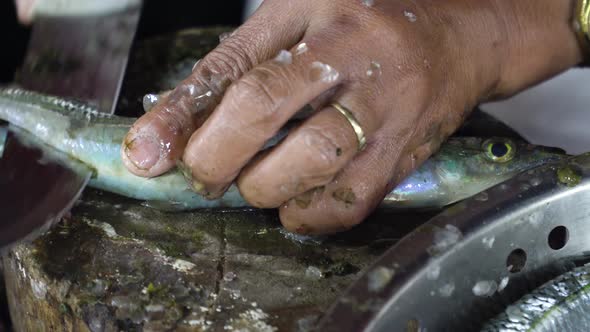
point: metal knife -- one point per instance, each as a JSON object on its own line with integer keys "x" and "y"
{"x": 78, "y": 49}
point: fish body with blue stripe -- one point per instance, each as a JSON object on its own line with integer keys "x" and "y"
{"x": 463, "y": 167}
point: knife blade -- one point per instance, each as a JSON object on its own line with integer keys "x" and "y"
{"x": 80, "y": 54}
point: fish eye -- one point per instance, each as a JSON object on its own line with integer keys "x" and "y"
{"x": 498, "y": 150}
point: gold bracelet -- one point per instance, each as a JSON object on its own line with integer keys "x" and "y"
{"x": 582, "y": 27}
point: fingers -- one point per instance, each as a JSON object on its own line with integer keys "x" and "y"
{"x": 310, "y": 156}
{"x": 252, "y": 111}
{"x": 158, "y": 139}
{"x": 391, "y": 155}
{"x": 347, "y": 200}
{"x": 24, "y": 9}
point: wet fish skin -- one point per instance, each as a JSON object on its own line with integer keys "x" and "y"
{"x": 459, "y": 170}
{"x": 560, "y": 304}
{"x": 95, "y": 139}
{"x": 464, "y": 167}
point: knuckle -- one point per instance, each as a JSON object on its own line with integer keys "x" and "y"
{"x": 321, "y": 150}
{"x": 231, "y": 59}
{"x": 260, "y": 90}
{"x": 174, "y": 122}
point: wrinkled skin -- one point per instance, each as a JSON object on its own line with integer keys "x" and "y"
{"x": 436, "y": 60}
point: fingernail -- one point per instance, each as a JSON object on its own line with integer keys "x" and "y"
{"x": 143, "y": 152}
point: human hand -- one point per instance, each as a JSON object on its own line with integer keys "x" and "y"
{"x": 24, "y": 10}
{"x": 408, "y": 71}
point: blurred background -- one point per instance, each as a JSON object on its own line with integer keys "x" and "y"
{"x": 156, "y": 17}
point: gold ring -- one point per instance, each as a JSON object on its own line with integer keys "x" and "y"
{"x": 582, "y": 26}
{"x": 358, "y": 130}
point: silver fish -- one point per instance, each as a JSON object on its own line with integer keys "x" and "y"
{"x": 466, "y": 166}
{"x": 462, "y": 168}
{"x": 561, "y": 304}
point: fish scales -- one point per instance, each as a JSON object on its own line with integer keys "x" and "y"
{"x": 561, "y": 304}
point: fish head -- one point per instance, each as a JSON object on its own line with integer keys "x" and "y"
{"x": 499, "y": 158}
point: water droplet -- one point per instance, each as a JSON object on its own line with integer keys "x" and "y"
{"x": 433, "y": 272}
{"x": 488, "y": 242}
{"x": 204, "y": 95}
{"x": 284, "y": 57}
{"x": 314, "y": 273}
{"x": 191, "y": 89}
{"x": 374, "y": 69}
{"x": 301, "y": 48}
{"x": 224, "y": 36}
{"x": 196, "y": 64}
{"x": 149, "y": 101}
{"x": 503, "y": 284}
{"x": 444, "y": 239}
{"x": 368, "y": 3}
{"x": 410, "y": 16}
{"x": 447, "y": 289}
{"x": 485, "y": 288}
{"x": 482, "y": 197}
{"x": 235, "y": 294}
{"x": 379, "y": 278}
{"x": 230, "y": 276}
{"x": 39, "y": 288}
{"x": 535, "y": 182}
{"x": 323, "y": 72}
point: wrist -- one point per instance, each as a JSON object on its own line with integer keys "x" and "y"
{"x": 540, "y": 42}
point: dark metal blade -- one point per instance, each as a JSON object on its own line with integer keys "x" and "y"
{"x": 81, "y": 57}
{"x": 38, "y": 192}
